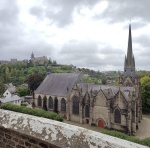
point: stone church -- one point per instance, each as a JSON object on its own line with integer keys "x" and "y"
{"x": 112, "y": 107}
{"x": 40, "y": 60}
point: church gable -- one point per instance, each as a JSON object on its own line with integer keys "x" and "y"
{"x": 86, "y": 98}
{"x": 119, "y": 101}
{"x": 74, "y": 91}
{"x": 100, "y": 99}
{"x": 128, "y": 82}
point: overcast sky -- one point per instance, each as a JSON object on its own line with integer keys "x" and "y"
{"x": 86, "y": 33}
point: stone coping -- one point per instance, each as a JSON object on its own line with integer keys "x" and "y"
{"x": 60, "y": 134}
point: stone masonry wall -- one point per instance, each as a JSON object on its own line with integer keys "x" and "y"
{"x": 19, "y": 130}
{"x": 12, "y": 139}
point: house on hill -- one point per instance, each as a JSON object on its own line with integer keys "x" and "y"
{"x": 112, "y": 107}
{"x": 10, "y": 90}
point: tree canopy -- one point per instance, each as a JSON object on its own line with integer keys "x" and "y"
{"x": 2, "y": 88}
{"x": 34, "y": 81}
{"x": 145, "y": 85}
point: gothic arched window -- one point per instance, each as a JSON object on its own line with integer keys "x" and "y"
{"x": 63, "y": 105}
{"x": 50, "y": 104}
{"x": 45, "y": 103}
{"x": 117, "y": 116}
{"x": 87, "y": 111}
{"x": 39, "y": 101}
{"x": 75, "y": 105}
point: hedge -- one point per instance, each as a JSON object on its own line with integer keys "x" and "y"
{"x": 117, "y": 134}
{"x": 34, "y": 112}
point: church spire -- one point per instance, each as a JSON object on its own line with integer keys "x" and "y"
{"x": 129, "y": 59}
{"x": 129, "y": 62}
{"x": 129, "y": 52}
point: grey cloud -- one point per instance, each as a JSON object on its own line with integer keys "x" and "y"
{"x": 14, "y": 42}
{"x": 10, "y": 31}
{"x": 89, "y": 54}
{"x": 60, "y": 12}
{"x": 8, "y": 12}
{"x": 119, "y": 11}
{"x": 143, "y": 40}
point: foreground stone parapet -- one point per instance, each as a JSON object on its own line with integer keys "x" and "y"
{"x": 55, "y": 133}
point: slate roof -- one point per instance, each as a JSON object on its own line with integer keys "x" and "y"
{"x": 10, "y": 99}
{"x": 56, "y": 84}
{"x": 109, "y": 91}
{"x": 11, "y": 88}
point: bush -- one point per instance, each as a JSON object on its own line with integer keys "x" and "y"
{"x": 24, "y": 104}
{"x": 117, "y": 134}
{"x": 23, "y": 92}
{"x": 34, "y": 112}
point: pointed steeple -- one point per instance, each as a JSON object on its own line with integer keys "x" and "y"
{"x": 129, "y": 62}
{"x": 129, "y": 52}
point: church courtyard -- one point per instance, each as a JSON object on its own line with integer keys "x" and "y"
{"x": 142, "y": 132}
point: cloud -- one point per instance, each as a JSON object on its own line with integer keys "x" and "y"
{"x": 118, "y": 11}
{"x": 60, "y": 12}
{"x": 82, "y": 33}
{"x": 90, "y": 54}
{"x": 14, "y": 41}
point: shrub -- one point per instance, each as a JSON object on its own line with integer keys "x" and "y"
{"x": 146, "y": 141}
{"x": 34, "y": 112}
{"x": 117, "y": 134}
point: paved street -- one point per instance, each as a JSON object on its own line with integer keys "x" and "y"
{"x": 142, "y": 132}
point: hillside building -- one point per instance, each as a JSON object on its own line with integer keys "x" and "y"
{"x": 40, "y": 60}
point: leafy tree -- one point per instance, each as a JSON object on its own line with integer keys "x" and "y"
{"x": 23, "y": 92}
{"x": 87, "y": 80}
{"x": 145, "y": 85}
{"x": 34, "y": 81}
{"x": 6, "y": 74}
{"x": 104, "y": 81}
{"x": 2, "y": 88}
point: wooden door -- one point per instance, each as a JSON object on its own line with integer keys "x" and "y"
{"x": 100, "y": 123}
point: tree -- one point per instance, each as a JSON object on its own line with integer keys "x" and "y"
{"x": 104, "y": 81}
{"x": 34, "y": 81}
{"x": 2, "y": 88}
{"x": 145, "y": 85}
{"x": 23, "y": 92}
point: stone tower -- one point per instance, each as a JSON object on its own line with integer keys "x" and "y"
{"x": 32, "y": 55}
{"x": 129, "y": 77}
